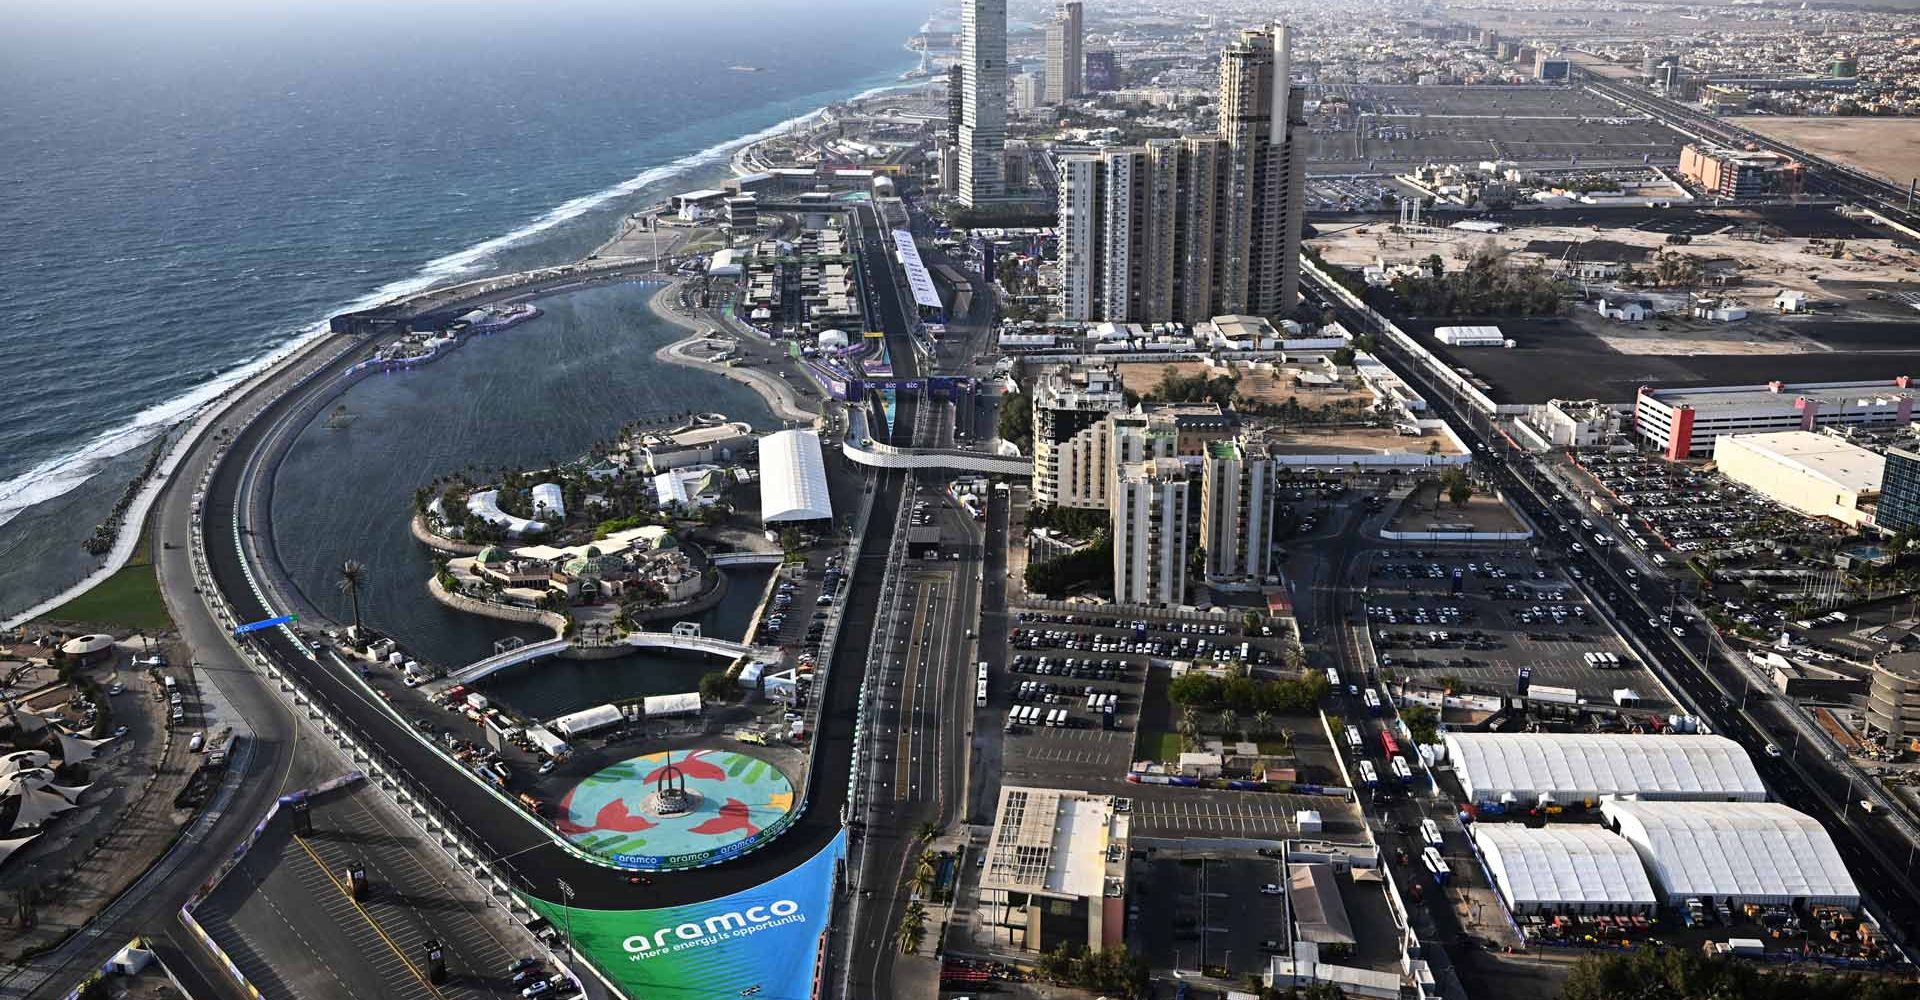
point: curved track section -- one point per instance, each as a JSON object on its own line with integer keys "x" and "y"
{"x": 526, "y": 852}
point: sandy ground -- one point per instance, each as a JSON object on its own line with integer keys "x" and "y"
{"x": 1889, "y": 147}
{"x": 1765, "y": 267}
{"x": 1267, "y": 386}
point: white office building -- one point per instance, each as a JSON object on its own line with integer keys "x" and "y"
{"x": 1683, "y": 423}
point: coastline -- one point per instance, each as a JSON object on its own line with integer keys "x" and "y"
{"x": 779, "y": 395}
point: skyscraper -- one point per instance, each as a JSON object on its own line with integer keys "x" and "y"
{"x": 1137, "y": 231}
{"x": 1100, "y": 71}
{"x": 1257, "y": 264}
{"x": 1195, "y": 227}
{"x": 1065, "y": 66}
{"x": 983, "y": 112}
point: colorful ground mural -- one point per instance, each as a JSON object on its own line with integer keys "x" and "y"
{"x": 734, "y": 798}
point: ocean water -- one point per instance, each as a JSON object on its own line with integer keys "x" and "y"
{"x": 189, "y": 188}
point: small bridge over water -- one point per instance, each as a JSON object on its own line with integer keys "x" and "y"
{"x": 685, "y": 635}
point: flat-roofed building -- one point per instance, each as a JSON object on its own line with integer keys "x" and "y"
{"x": 1069, "y": 406}
{"x": 1148, "y": 504}
{"x": 1740, "y": 173}
{"x": 1815, "y": 474}
{"x": 1236, "y": 509}
{"x": 1055, "y": 870}
{"x": 1682, "y": 423}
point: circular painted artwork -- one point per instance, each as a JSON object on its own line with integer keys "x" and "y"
{"x": 674, "y": 809}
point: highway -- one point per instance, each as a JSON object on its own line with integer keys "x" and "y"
{"x": 1715, "y": 689}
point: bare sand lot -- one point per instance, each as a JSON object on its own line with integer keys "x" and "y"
{"x": 1889, "y": 147}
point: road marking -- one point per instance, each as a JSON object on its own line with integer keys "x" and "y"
{"x": 909, "y": 692}
{"x": 346, "y": 893}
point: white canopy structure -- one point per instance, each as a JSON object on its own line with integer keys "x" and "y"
{"x": 12, "y": 845}
{"x": 1743, "y": 852}
{"x": 1573, "y": 767}
{"x": 39, "y": 798}
{"x": 75, "y": 749}
{"x": 485, "y": 505}
{"x": 1564, "y": 869}
{"x": 548, "y": 501}
{"x": 24, "y": 760}
{"x": 586, "y": 721}
{"x": 687, "y": 703}
{"x": 793, "y": 478}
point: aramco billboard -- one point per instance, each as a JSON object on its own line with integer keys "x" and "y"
{"x": 764, "y": 941}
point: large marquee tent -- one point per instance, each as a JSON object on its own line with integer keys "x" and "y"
{"x": 1564, "y": 869}
{"x": 1542, "y": 768}
{"x": 1743, "y": 852}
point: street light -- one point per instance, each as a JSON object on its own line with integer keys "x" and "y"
{"x": 566, "y": 905}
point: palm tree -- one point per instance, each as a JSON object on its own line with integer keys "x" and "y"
{"x": 1261, "y": 720}
{"x": 927, "y": 832}
{"x": 1227, "y": 719}
{"x": 913, "y": 928}
{"x": 352, "y": 576}
{"x": 922, "y": 878}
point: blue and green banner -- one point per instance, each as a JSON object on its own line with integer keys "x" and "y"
{"x": 760, "y": 942}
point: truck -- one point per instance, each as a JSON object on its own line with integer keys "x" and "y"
{"x": 477, "y": 701}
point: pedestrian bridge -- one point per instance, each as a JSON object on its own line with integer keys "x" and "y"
{"x": 863, "y": 450}
{"x": 639, "y": 640}
{"x": 704, "y": 643}
{"x": 511, "y": 658}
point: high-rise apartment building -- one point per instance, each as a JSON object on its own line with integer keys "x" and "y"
{"x": 1069, "y": 456}
{"x": 1137, "y": 231}
{"x": 1257, "y": 264}
{"x": 1101, "y": 71}
{"x": 1066, "y": 36}
{"x": 1029, "y": 91}
{"x": 1200, "y": 226}
{"x": 1148, "y": 505}
{"x": 1236, "y": 509}
{"x": 983, "y": 113}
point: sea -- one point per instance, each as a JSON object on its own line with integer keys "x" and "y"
{"x": 190, "y": 188}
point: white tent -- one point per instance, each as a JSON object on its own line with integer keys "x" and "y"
{"x": 586, "y": 721}
{"x": 1564, "y": 868}
{"x": 39, "y": 798}
{"x": 658, "y": 705}
{"x": 1571, "y": 767}
{"x": 74, "y": 749}
{"x": 1744, "y": 852}
{"x": 12, "y": 845}
{"x": 793, "y": 478}
{"x": 24, "y": 760}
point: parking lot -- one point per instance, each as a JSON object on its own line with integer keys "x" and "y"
{"x": 1503, "y": 611}
{"x": 1686, "y": 508}
{"x": 1204, "y": 910}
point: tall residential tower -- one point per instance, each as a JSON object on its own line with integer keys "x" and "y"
{"x": 1066, "y": 36}
{"x": 1258, "y": 264}
{"x": 983, "y": 110}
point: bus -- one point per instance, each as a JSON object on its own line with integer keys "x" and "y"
{"x": 1430, "y": 832}
{"x": 1372, "y": 699}
{"x": 1369, "y": 777}
{"x": 1333, "y": 678}
{"x": 1402, "y": 771}
{"x": 1389, "y": 746}
{"x": 1354, "y": 740}
{"x": 980, "y": 688}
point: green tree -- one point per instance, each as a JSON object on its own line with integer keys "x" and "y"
{"x": 1423, "y": 723}
{"x": 718, "y": 686}
{"x": 1459, "y": 490}
{"x": 1016, "y": 420}
{"x": 352, "y": 577}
